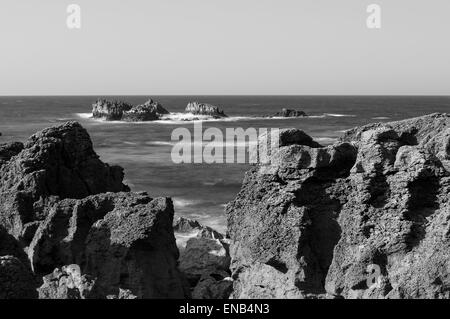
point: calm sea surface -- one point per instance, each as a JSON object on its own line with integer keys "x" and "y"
{"x": 200, "y": 191}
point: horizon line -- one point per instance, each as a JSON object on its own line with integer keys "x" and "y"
{"x": 255, "y": 95}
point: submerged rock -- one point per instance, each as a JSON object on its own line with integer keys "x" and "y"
{"x": 364, "y": 218}
{"x": 197, "y": 108}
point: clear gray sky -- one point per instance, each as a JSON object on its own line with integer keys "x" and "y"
{"x": 154, "y": 47}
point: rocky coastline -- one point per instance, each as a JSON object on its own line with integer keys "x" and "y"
{"x": 313, "y": 222}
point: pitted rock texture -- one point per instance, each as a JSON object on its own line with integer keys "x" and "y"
{"x": 122, "y": 244}
{"x": 58, "y": 162}
{"x": 318, "y": 222}
{"x": 66, "y": 283}
{"x": 57, "y": 223}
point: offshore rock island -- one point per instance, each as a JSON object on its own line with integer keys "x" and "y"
{"x": 307, "y": 225}
{"x": 151, "y": 111}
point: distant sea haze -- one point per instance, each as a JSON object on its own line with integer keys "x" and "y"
{"x": 201, "y": 191}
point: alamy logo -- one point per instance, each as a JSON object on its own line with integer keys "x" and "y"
{"x": 74, "y": 18}
{"x": 374, "y": 19}
{"x": 374, "y": 276}
{"x": 212, "y": 146}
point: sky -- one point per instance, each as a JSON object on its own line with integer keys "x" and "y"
{"x": 221, "y": 47}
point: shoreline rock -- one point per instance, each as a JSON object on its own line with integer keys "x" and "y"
{"x": 55, "y": 209}
{"x": 318, "y": 221}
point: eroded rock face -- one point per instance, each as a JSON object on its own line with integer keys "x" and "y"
{"x": 134, "y": 249}
{"x": 57, "y": 223}
{"x": 122, "y": 241}
{"x": 318, "y": 221}
{"x": 58, "y": 162}
{"x": 197, "y": 108}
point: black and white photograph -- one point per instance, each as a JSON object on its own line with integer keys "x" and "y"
{"x": 225, "y": 154}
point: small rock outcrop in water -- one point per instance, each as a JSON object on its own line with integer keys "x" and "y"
{"x": 110, "y": 110}
{"x": 197, "y": 108}
{"x": 57, "y": 223}
{"x": 204, "y": 259}
{"x": 289, "y": 113}
{"x": 149, "y": 111}
{"x": 367, "y": 217}
{"x": 117, "y": 110}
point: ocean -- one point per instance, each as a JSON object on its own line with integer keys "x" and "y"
{"x": 201, "y": 191}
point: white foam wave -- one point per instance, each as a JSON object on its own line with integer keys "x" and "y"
{"x": 339, "y": 115}
{"x": 182, "y": 202}
{"x": 381, "y": 118}
{"x": 325, "y": 140}
{"x": 85, "y": 115}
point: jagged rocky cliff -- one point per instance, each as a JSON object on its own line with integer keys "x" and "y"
{"x": 71, "y": 228}
{"x": 368, "y": 217}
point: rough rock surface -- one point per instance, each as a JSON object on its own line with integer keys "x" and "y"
{"x": 204, "y": 259}
{"x": 8, "y": 150}
{"x": 54, "y": 212}
{"x": 110, "y": 110}
{"x": 16, "y": 280}
{"x": 58, "y": 162}
{"x": 67, "y": 283}
{"x": 134, "y": 249}
{"x": 121, "y": 246}
{"x": 197, "y": 108}
{"x": 289, "y": 113}
{"x": 367, "y": 217}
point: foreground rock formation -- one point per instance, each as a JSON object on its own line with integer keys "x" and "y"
{"x": 67, "y": 217}
{"x": 204, "y": 259}
{"x": 367, "y": 217}
{"x": 197, "y": 108}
